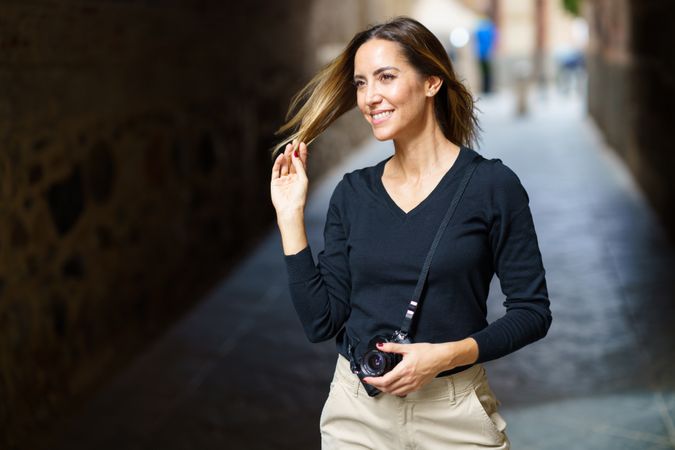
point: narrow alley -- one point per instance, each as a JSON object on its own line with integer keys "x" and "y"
{"x": 144, "y": 297}
{"x": 238, "y": 373}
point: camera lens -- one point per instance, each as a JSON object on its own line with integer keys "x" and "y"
{"x": 374, "y": 363}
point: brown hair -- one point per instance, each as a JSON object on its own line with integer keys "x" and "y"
{"x": 331, "y": 92}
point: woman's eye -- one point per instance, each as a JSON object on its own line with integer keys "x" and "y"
{"x": 388, "y": 76}
{"x": 358, "y": 83}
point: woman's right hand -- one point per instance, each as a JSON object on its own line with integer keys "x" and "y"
{"x": 288, "y": 186}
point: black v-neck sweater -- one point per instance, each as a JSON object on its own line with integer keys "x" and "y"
{"x": 374, "y": 252}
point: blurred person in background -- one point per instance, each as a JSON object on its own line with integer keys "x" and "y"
{"x": 486, "y": 35}
{"x": 570, "y": 69}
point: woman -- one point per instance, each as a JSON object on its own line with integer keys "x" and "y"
{"x": 380, "y": 224}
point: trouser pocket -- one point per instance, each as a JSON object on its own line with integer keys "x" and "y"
{"x": 484, "y": 406}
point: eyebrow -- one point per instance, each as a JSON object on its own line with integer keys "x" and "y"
{"x": 379, "y": 71}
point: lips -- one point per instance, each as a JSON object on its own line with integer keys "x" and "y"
{"x": 381, "y": 115}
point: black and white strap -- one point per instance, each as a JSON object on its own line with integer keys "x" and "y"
{"x": 415, "y": 302}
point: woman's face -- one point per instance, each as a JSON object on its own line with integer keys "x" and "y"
{"x": 390, "y": 93}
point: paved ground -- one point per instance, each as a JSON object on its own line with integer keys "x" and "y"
{"x": 237, "y": 372}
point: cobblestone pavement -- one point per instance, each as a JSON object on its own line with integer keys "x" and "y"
{"x": 237, "y": 373}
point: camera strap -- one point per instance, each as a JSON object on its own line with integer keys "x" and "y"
{"x": 402, "y": 333}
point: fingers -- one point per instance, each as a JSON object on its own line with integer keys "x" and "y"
{"x": 297, "y": 163}
{"x": 399, "y": 381}
{"x": 303, "y": 154}
{"x": 276, "y": 168}
{"x": 301, "y": 148}
{"x": 384, "y": 382}
{"x": 285, "y": 164}
{"x": 389, "y": 347}
{"x": 293, "y": 147}
{"x": 400, "y": 386}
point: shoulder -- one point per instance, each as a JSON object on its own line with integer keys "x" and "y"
{"x": 495, "y": 177}
{"x": 362, "y": 180}
{"x": 494, "y": 173}
{"x": 500, "y": 183}
{"x": 356, "y": 186}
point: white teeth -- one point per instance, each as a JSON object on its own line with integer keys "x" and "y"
{"x": 382, "y": 115}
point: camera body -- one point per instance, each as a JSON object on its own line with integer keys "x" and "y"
{"x": 375, "y": 362}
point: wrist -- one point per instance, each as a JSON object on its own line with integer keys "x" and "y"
{"x": 459, "y": 353}
{"x": 291, "y": 217}
{"x": 292, "y": 229}
{"x": 469, "y": 353}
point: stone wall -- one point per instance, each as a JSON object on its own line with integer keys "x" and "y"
{"x": 134, "y": 171}
{"x": 631, "y": 65}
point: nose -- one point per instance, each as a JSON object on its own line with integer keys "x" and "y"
{"x": 373, "y": 96}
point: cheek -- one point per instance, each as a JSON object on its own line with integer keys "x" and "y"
{"x": 398, "y": 93}
{"x": 406, "y": 99}
{"x": 361, "y": 103}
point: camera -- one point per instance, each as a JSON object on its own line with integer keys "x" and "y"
{"x": 376, "y": 363}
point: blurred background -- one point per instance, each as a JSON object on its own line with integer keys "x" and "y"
{"x": 143, "y": 295}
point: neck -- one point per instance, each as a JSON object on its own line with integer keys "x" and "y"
{"x": 424, "y": 153}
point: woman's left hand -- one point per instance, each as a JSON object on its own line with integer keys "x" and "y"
{"x": 421, "y": 363}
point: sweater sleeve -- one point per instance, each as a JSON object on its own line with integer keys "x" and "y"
{"x": 320, "y": 293}
{"x": 518, "y": 265}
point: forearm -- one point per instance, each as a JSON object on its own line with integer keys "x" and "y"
{"x": 456, "y": 354}
{"x": 293, "y": 233}
{"x": 320, "y": 291}
{"x": 320, "y": 299}
{"x": 516, "y": 329}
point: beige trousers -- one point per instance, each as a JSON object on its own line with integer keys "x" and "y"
{"x": 454, "y": 412}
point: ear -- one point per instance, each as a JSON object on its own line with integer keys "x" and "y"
{"x": 432, "y": 85}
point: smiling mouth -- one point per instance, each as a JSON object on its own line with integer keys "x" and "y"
{"x": 381, "y": 116}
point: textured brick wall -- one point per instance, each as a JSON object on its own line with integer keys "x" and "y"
{"x": 133, "y": 173}
{"x": 632, "y": 90}
{"x": 653, "y": 80}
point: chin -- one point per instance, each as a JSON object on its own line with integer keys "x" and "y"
{"x": 382, "y": 135}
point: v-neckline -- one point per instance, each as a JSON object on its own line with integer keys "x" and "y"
{"x": 395, "y": 207}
